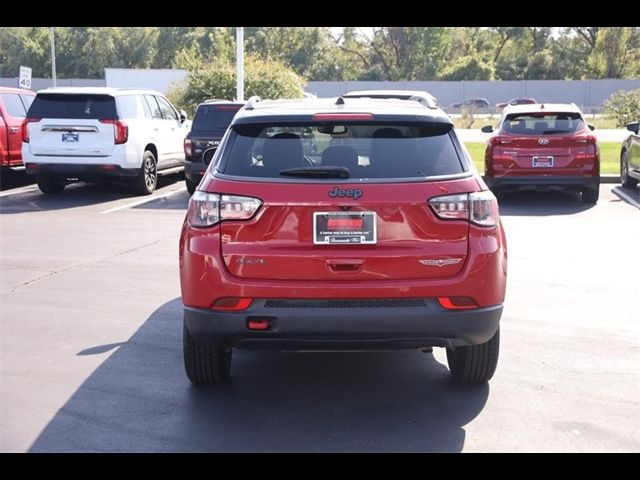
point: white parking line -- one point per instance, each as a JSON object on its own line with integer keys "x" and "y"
{"x": 144, "y": 200}
{"x": 15, "y": 191}
{"x": 618, "y": 191}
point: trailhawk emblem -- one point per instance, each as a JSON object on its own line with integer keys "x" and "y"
{"x": 441, "y": 262}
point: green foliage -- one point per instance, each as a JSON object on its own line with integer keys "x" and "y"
{"x": 623, "y": 107}
{"x": 467, "y": 68}
{"x": 350, "y": 53}
{"x": 267, "y": 78}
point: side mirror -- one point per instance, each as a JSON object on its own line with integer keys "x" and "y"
{"x": 487, "y": 129}
{"x": 591, "y": 127}
{"x": 633, "y": 127}
{"x": 183, "y": 116}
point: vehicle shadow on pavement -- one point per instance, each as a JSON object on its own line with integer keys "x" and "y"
{"x": 75, "y": 195}
{"x": 139, "y": 399}
{"x": 13, "y": 179}
{"x": 541, "y": 203}
{"x": 179, "y": 201}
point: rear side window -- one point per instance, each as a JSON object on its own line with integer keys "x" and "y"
{"x": 153, "y": 107}
{"x": 128, "y": 106}
{"x": 214, "y": 118}
{"x": 13, "y": 104}
{"x": 543, "y": 123}
{"x": 167, "y": 110}
{"x": 78, "y": 106}
{"x": 368, "y": 151}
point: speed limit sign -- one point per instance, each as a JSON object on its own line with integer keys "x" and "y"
{"x": 25, "y": 77}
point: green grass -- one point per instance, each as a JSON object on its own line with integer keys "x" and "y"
{"x": 609, "y": 156}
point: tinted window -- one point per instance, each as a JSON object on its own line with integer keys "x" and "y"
{"x": 80, "y": 106}
{"x": 214, "y": 118}
{"x": 153, "y": 106}
{"x": 366, "y": 150}
{"x": 543, "y": 123}
{"x": 167, "y": 110}
{"x": 13, "y": 104}
{"x": 127, "y": 106}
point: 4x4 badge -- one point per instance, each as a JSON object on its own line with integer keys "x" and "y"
{"x": 440, "y": 262}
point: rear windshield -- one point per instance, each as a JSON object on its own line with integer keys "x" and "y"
{"x": 214, "y": 118}
{"x": 77, "y": 106}
{"x": 543, "y": 123}
{"x": 368, "y": 151}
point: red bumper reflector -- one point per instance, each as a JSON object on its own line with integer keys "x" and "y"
{"x": 231, "y": 304}
{"x": 457, "y": 303}
{"x": 258, "y": 324}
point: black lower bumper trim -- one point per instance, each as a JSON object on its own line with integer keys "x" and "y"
{"x": 80, "y": 170}
{"x": 542, "y": 181}
{"x": 346, "y": 328}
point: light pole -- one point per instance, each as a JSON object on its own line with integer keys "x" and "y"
{"x": 239, "y": 64}
{"x": 53, "y": 55}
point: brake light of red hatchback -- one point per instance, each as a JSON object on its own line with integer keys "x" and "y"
{"x": 480, "y": 208}
{"x": 207, "y": 209}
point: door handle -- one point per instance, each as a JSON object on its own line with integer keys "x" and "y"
{"x": 13, "y": 130}
{"x": 345, "y": 264}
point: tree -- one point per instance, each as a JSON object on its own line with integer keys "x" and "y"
{"x": 269, "y": 79}
{"x": 615, "y": 53}
{"x": 623, "y": 106}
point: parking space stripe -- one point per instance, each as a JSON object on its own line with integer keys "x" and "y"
{"x": 626, "y": 197}
{"x": 142, "y": 201}
{"x": 15, "y": 191}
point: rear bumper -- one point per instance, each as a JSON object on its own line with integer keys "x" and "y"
{"x": 80, "y": 170}
{"x": 542, "y": 181}
{"x": 194, "y": 171}
{"x": 347, "y": 328}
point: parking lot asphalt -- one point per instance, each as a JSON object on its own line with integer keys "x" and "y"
{"x": 91, "y": 349}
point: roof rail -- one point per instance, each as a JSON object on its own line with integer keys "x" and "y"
{"x": 251, "y": 103}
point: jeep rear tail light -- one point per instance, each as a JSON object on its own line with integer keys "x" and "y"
{"x": 229, "y": 304}
{"x": 187, "y": 147}
{"x": 480, "y": 208}
{"x": 207, "y": 209}
{"x": 120, "y": 130}
{"x": 25, "y": 128}
{"x": 457, "y": 303}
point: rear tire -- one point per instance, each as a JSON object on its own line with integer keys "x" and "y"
{"x": 590, "y": 194}
{"x": 204, "y": 364}
{"x": 191, "y": 186}
{"x": 474, "y": 363}
{"x": 145, "y": 182}
{"x": 625, "y": 179}
{"x": 49, "y": 184}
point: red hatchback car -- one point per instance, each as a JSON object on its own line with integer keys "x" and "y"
{"x": 543, "y": 146}
{"x": 375, "y": 232}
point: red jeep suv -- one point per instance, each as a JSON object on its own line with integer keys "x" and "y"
{"x": 543, "y": 146}
{"x": 342, "y": 224}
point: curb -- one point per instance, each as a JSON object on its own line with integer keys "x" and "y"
{"x": 610, "y": 178}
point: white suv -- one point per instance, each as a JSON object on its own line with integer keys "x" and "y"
{"x": 90, "y": 133}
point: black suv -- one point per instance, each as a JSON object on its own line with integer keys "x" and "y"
{"x": 209, "y": 124}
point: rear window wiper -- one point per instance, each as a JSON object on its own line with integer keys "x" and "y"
{"x": 317, "y": 172}
{"x": 547, "y": 132}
